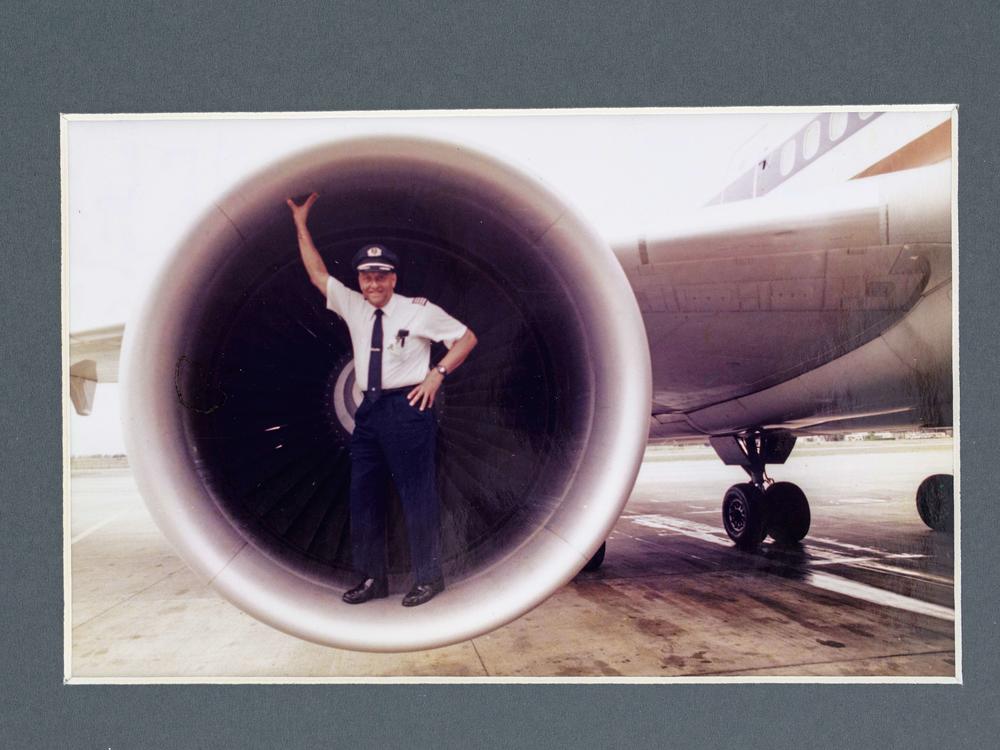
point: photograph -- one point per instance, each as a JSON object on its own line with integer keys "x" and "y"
{"x": 539, "y": 396}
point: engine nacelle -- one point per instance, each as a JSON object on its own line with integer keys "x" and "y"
{"x": 240, "y": 394}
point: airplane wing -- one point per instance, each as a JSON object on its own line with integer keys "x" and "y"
{"x": 93, "y": 359}
{"x": 805, "y": 311}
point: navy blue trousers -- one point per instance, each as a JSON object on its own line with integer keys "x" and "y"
{"x": 393, "y": 439}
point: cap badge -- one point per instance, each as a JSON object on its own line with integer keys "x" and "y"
{"x": 374, "y": 252}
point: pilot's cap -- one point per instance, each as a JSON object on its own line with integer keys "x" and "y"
{"x": 375, "y": 258}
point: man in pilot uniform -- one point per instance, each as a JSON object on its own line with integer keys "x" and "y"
{"x": 394, "y": 427}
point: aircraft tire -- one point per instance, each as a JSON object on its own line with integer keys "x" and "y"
{"x": 789, "y": 511}
{"x": 935, "y": 501}
{"x": 596, "y": 560}
{"x": 744, "y": 515}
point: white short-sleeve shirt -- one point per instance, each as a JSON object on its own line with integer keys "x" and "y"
{"x": 405, "y": 360}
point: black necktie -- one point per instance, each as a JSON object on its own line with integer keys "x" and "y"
{"x": 375, "y": 361}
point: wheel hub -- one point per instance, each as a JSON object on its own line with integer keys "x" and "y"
{"x": 737, "y": 516}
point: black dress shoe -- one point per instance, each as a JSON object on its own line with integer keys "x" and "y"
{"x": 367, "y": 589}
{"x": 423, "y": 592}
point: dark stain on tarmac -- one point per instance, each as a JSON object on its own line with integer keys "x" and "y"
{"x": 790, "y": 613}
{"x": 657, "y": 628}
{"x": 605, "y": 594}
{"x": 858, "y": 630}
{"x": 704, "y": 596}
{"x": 831, "y": 644}
{"x": 700, "y": 656}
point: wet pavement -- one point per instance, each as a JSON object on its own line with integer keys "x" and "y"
{"x": 869, "y": 593}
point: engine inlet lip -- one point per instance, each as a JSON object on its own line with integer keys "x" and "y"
{"x": 205, "y": 539}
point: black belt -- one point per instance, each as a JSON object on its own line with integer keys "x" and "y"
{"x": 393, "y": 391}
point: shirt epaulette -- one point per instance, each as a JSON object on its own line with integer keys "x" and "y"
{"x": 419, "y": 300}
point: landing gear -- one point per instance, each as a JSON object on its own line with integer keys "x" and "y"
{"x": 752, "y": 510}
{"x": 789, "y": 511}
{"x": 595, "y": 562}
{"x": 936, "y": 500}
{"x": 744, "y": 515}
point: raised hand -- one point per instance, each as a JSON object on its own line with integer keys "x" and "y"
{"x": 300, "y": 212}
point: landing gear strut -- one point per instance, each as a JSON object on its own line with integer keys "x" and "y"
{"x": 936, "y": 500}
{"x": 752, "y": 510}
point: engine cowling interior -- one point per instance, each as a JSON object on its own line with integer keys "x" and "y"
{"x": 240, "y": 392}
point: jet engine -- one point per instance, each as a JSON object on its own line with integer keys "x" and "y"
{"x": 240, "y": 392}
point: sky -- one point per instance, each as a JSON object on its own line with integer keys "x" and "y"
{"x": 134, "y": 188}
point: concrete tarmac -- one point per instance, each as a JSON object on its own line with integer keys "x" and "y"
{"x": 869, "y": 593}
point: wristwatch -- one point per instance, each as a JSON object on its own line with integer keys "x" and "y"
{"x": 441, "y": 369}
